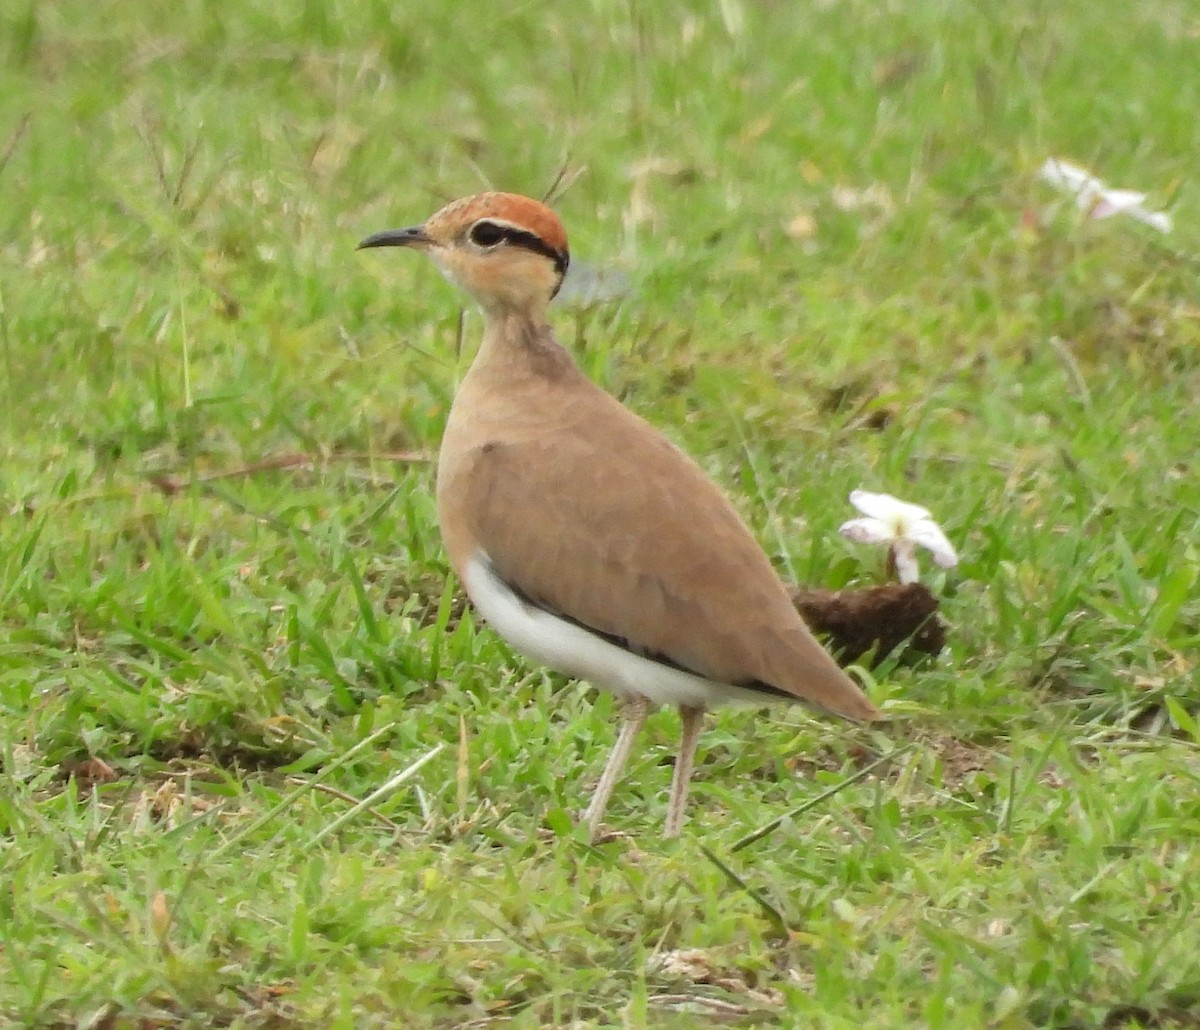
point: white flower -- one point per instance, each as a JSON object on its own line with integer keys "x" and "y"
{"x": 904, "y": 527}
{"x": 1098, "y": 200}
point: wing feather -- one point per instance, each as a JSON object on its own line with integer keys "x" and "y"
{"x": 607, "y": 523}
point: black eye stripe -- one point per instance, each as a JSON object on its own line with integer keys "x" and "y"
{"x": 520, "y": 238}
{"x": 488, "y": 234}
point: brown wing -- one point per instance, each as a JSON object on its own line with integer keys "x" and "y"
{"x": 609, "y": 524}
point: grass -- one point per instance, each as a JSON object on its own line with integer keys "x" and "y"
{"x": 227, "y": 620}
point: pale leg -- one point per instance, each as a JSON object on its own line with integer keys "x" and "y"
{"x": 692, "y": 719}
{"x": 632, "y": 717}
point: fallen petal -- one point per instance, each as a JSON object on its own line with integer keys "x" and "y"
{"x": 1116, "y": 202}
{"x": 1098, "y": 200}
{"x": 1069, "y": 177}
{"x": 887, "y": 508}
{"x": 930, "y": 536}
{"x": 867, "y": 531}
{"x": 1159, "y": 220}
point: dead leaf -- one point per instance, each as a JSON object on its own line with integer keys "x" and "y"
{"x": 876, "y": 197}
{"x": 757, "y": 128}
{"x": 90, "y": 772}
{"x": 809, "y": 172}
{"x": 160, "y": 917}
{"x": 700, "y": 967}
{"x": 801, "y": 227}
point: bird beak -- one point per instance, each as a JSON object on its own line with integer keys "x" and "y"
{"x": 414, "y": 236}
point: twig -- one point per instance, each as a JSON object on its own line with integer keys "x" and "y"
{"x": 564, "y": 179}
{"x": 171, "y": 485}
{"x": 463, "y": 774}
{"x": 376, "y": 795}
{"x": 6, "y": 346}
{"x": 812, "y": 803}
{"x": 690, "y": 1002}
{"x": 291, "y": 797}
{"x": 185, "y": 172}
{"x": 341, "y": 795}
{"x": 316, "y": 148}
{"x": 772, "y": 913}
{"x": 1074, "y": 372}
{"x": 460, "y": 332}
{"x": 156, "y": 156}
{"x": 960, "y": 459}
{"x": 14, "y": 140}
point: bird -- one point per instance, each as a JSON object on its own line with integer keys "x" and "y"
{"x": 586, "y": 538}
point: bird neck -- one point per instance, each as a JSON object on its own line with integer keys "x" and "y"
{"x": 521, "y": 343}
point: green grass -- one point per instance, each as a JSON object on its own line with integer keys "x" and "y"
{"x": 180, "y": 298}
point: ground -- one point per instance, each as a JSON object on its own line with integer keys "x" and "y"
{"x": 810, "y": 242}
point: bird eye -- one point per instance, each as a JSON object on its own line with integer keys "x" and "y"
{"x": 486, "y": 234}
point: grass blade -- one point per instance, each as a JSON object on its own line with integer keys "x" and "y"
{"x": 811, "y": 803}
{"x": 377, "y": 795}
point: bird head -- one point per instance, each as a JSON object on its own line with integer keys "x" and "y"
{"x": 507, "y": 251}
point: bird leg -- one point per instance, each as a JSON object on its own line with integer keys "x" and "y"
{"x": 633, "y": 715}
{"x": 692, "y": 720}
